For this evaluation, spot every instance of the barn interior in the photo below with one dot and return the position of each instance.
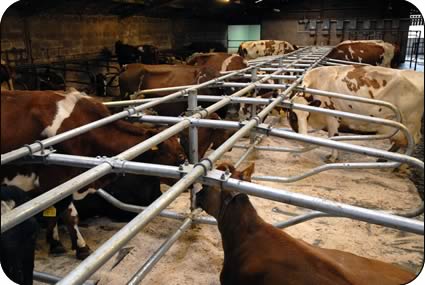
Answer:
(43, 32)
(62, 44)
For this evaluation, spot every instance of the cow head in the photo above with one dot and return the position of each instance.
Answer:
(242, 51)
(298, 119)
(213, 200)
(169, 152)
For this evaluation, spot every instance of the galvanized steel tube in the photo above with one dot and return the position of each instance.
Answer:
(326, 206)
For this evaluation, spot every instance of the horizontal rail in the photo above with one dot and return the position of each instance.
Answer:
(326, 206)
(212, 178)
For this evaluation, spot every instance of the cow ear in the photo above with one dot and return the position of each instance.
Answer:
(315, 103)
(247, 172)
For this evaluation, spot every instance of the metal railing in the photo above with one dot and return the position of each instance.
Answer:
(201, 171)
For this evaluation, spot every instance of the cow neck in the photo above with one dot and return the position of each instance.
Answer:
(121, 136)
(237, 219)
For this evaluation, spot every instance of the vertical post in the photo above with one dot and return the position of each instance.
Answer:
(193, 140)
(253, 107)
(193, 130)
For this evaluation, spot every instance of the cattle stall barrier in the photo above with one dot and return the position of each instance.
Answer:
(288, 105)
(106, 165)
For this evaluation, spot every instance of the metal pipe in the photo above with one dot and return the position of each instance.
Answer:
(322, 168)
(23, 151)
(193, 130)
(104, 252)
(48, 278)
(346, 62)
(302, 218)
(248, 151)
(348, 147)
(160, 252)
(193, 142)
(326, 206)
(164, 171)
(378, 121)
(164, 213)
(293, 77)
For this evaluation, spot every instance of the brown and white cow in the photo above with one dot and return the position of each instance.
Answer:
(257, 253)
(201, 68)
(373, 52)
(254, 49)
(218, 61)
(27, 116)
(402, 88)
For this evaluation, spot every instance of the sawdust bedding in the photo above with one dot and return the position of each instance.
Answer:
(196, 258)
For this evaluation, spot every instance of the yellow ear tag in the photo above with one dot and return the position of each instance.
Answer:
(282, 113)
(50, 212)
(154, 148)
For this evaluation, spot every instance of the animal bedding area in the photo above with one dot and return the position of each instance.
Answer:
(196, 258)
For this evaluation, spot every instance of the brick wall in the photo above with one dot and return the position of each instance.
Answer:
(53, 36)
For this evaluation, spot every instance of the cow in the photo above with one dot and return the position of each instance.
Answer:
(187, 50)
(201, 68)
(17, 245)
(373, 52)
(402, 88)
(219, 61)
(126, 54)
(7, 75)
(139, 190)
(257, 253)
(49, 113)
(141, 77)
(254, 49)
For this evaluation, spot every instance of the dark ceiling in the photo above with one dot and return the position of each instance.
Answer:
(163, 8)
(230, 10)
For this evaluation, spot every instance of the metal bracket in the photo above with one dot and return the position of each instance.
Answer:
(287, 105)
(43, 153)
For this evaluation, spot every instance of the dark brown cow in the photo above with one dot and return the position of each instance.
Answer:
(48, 113)
(7, 75)
(374, 52)
(206, 137)
(256, 253)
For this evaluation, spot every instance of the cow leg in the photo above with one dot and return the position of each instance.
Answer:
(333, 126)
(52, 236)
(77, 240)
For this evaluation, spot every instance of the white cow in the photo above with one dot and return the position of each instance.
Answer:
(254, 49)
(402, 88)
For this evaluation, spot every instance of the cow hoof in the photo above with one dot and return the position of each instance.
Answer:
(56, 247)
(83, 252)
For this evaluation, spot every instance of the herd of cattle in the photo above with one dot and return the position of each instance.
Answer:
(48, 113)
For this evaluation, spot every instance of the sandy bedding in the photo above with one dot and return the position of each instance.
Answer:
(197, 257)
